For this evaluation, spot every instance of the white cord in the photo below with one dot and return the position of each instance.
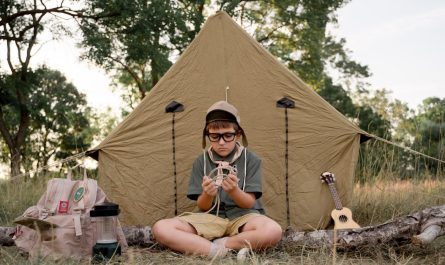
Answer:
(245, 168)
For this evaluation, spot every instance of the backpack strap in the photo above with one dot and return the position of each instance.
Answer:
(79, 197)
(91, 187)
(57, 196)
(85, 197)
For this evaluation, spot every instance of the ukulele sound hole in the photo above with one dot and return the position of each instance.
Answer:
(343, 218)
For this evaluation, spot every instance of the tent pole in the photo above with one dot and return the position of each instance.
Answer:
(286, 103)
(174, 107)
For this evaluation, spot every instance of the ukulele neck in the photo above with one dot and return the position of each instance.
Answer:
(337, 201)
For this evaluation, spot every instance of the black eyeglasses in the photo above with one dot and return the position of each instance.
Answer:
(215, 137)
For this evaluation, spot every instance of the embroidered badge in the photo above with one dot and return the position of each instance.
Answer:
(63, 207)
(79, 194)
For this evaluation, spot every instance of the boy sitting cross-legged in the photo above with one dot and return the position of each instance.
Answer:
(238, 221)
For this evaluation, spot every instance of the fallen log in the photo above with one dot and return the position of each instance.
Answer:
(6, 234)
(419, 228)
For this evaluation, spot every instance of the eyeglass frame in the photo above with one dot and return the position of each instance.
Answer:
(223, 136)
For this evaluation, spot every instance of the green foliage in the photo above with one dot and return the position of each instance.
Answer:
(423, 132)
(296, 33)
(103, 123)
(59, 125)
(381, 161)
(21, 25)
(366, 116)
(428, 128)
(136, 43)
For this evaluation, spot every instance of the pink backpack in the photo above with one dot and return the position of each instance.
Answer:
(60, 226)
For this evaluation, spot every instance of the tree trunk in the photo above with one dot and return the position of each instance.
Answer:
(13, 147)
(15, 164)
(420, 228)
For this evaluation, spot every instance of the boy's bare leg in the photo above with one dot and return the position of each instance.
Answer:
(180, 236)
(259, 232)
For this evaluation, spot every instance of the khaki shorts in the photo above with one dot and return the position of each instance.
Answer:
(211, 226)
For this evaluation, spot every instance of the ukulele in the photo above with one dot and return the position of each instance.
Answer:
(342, 216)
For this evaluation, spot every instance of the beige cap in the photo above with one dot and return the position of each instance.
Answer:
(223, 111)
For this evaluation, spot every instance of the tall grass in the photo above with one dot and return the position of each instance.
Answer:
(381, 161)
(379, 201)
(373, 203)
(383, 192)
(17, 196)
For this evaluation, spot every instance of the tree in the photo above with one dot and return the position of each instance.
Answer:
(428, 129)
(22, 21)
(62, 120)
(137, 45)
(59, 119)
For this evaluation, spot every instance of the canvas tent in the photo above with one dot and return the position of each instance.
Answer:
(145, 162)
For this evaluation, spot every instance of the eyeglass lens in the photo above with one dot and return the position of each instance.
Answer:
(215, 137)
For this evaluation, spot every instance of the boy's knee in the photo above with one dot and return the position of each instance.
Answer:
(274, 230)
(158, 228)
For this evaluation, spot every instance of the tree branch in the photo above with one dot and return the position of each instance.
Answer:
(55, 10)
(268, 35)
(134, 75)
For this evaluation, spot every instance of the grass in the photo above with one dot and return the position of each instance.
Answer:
(17, 196)
(379, 201)
(373, 203)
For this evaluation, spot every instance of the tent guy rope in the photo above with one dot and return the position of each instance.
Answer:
(37, 170)
(82, 154)
(407, 149)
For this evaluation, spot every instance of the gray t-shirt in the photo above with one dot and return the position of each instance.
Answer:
(228, 208)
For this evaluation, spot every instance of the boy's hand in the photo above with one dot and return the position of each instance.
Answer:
(230, 183)
(208, 186)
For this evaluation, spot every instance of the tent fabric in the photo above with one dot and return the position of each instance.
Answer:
(145, 168)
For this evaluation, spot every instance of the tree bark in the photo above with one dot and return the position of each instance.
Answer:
(420, 228)
(6, 234)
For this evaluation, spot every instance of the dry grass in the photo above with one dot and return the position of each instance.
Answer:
(380, 201)
(17, 196)
(372, 203)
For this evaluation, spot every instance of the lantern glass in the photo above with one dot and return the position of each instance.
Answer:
(105, 216)
(106, 229)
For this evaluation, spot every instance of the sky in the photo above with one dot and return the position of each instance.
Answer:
(402, 42)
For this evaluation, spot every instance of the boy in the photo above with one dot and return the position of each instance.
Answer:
(238, 221)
